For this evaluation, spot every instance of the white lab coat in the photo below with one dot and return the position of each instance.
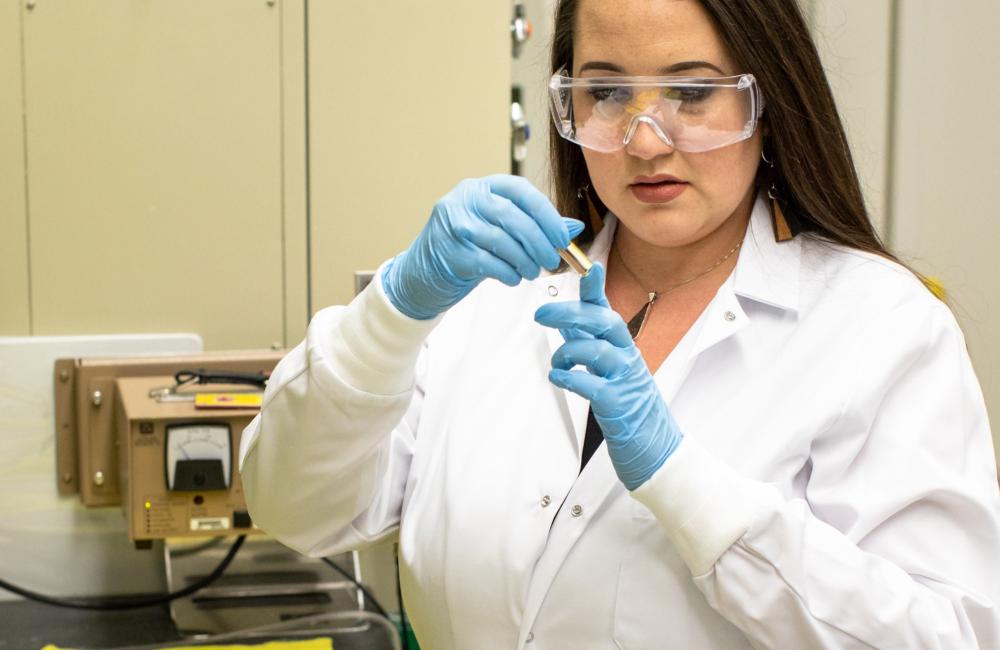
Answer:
(836, 486)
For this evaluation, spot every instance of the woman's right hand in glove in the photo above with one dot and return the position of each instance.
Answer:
(498, 227)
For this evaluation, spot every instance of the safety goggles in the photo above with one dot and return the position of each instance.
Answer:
(692, 114)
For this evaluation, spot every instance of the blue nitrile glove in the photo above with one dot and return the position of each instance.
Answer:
(496, 227)
(638, 428)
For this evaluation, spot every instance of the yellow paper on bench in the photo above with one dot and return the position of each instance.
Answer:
(308, 644)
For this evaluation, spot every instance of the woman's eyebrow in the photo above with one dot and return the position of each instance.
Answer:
(690, 65)
(600, 65)
(677, 67)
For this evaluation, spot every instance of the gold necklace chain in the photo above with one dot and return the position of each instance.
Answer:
(717, 264)
(637, 323)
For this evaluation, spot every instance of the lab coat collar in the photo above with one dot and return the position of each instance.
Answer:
(767, 271)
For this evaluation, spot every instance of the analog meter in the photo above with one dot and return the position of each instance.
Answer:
(198, 456)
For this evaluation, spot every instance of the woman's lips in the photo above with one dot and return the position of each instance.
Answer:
(657, 189)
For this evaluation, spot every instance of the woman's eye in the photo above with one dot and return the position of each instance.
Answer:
(615, 94)
(690, 95)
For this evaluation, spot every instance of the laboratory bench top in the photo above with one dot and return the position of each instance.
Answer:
(27, 625)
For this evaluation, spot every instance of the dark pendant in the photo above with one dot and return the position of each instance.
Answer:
(638, 322)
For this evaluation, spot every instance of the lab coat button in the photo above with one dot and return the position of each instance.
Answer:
(730, 316)
(530, 637)
(546, 500)
(576, 511)
(553, 291)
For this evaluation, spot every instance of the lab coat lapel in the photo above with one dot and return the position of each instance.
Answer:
(723, 318)
(562, 287)
(767, 271)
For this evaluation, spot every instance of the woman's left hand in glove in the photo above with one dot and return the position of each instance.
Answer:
(638, 428)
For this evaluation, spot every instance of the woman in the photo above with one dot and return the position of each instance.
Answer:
(763, 432)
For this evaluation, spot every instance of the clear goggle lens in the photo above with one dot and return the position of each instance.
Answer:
(692, 114)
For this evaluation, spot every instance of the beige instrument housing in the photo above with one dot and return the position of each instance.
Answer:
(152, 511)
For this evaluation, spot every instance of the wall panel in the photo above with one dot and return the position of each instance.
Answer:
(293, 109)
(854, 41)
(154, 137)
(14, 298)
(406, 99)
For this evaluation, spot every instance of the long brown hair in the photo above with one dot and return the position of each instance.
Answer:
(813, 170)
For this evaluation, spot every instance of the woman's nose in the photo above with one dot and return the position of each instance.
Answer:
(645, 139)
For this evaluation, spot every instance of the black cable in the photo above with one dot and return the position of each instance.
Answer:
(377, 605)
(188, 551)
(202, 376)
(134, 603)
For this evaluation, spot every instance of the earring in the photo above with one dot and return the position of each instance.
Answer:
(784, 228)
(596, 219)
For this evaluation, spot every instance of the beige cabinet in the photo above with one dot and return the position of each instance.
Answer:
(14, 293)
(171, 184)
(406, 99)
(154, 140)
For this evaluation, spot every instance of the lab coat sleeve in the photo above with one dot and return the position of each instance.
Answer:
(325, 462)
(896, 544)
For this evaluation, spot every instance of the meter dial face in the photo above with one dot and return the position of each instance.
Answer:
(198, 442)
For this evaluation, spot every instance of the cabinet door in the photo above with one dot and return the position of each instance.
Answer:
(406, 99)
(155, 168)
(13, 226)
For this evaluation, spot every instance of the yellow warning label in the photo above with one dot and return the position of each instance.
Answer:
(228, 400)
